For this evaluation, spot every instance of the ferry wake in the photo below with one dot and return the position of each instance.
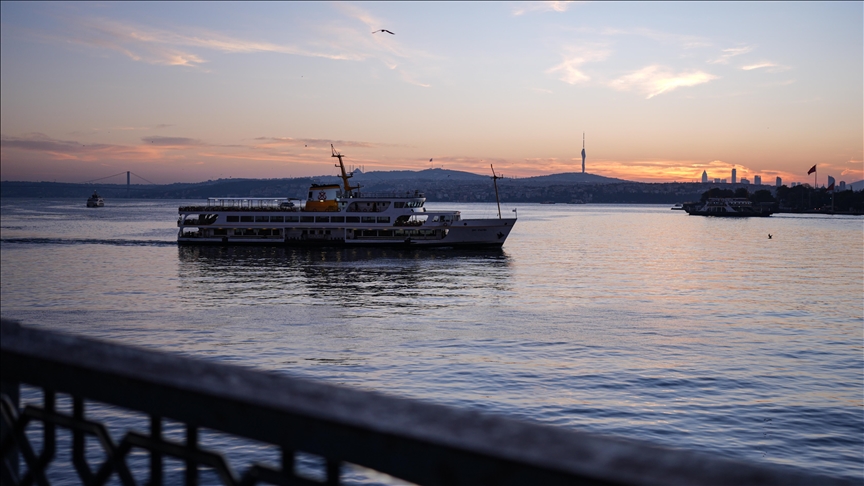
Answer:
(337, 215)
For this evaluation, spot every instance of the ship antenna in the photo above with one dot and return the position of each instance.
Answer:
(495, 178)
(345, 175)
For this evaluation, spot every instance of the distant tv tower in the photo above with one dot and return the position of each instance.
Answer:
(583, 152)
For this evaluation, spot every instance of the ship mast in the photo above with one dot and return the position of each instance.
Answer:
(345, 175)
(495, 178)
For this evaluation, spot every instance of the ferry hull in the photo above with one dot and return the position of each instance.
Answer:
(730, 215)
(490, 233)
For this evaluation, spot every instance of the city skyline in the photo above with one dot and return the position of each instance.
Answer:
(196, 91)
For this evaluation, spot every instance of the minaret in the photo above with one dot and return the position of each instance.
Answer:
(583, 152)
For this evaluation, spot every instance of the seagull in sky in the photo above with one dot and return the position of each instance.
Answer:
(383, 30)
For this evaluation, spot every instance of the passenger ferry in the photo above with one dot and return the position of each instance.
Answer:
(727, 207)
(95, 201)
(337, 215)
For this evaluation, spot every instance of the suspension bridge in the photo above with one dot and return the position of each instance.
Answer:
(128, 174)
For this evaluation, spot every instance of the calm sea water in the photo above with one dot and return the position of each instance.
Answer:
(698, 333)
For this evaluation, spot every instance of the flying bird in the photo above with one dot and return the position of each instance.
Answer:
(383, 30)
(769, 236)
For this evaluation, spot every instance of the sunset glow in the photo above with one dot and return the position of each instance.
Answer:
(197, 91)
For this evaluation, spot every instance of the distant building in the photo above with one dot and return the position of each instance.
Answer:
(734, 176)
(583, 152)
(757, 179)
(722, 181)
(842, 186)
(779, 182)
(745, 181)
(717, 180)
(704, 177)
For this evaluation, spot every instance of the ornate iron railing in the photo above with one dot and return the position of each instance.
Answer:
(417, 442)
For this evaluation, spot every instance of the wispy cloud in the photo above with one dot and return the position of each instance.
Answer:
(655, 80)
(525, 7)
(728, 54)
(570, 70)
(854, 170)
(683, 40)
(173, 141)
(189, 46)
(166, 47)
(760, 65)
(768, 66)
(388, 49)
(57, 149)
(315, 143)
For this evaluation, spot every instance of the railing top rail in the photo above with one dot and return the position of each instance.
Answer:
(388, 195)
(419, 442)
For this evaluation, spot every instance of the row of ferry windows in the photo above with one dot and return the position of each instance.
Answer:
(308, 219)
(358, 232)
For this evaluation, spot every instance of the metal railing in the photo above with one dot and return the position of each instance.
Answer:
(411, 440)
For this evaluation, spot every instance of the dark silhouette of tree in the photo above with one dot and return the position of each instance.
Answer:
(762, 196)
(717, 192)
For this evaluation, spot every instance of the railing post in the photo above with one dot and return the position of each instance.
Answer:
(192, 445)
(155, 457)
(334, 470)
(287, 462)
(79, 443)
(49, 431)
(12, 391)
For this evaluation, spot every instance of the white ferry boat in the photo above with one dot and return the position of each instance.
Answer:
(337, 215)
(727, 207)
(95, 201)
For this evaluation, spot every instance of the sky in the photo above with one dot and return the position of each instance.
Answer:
(187, 92)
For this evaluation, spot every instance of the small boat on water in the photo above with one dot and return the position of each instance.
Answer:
(95, 201)
(337, 215)
(727, 207)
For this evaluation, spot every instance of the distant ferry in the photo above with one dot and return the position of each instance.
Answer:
(95, 201)
(727, 207)
(337, 215)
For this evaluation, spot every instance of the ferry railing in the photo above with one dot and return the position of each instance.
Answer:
(389, 195)
(418, 442)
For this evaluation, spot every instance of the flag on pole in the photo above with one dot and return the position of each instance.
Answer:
(830, 183)
(812, 169)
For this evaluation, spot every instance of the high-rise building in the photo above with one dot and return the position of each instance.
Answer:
(734, 176)
(842, 186)
(704, 177)
(779, 182)
(757, 179)
(716, 180)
